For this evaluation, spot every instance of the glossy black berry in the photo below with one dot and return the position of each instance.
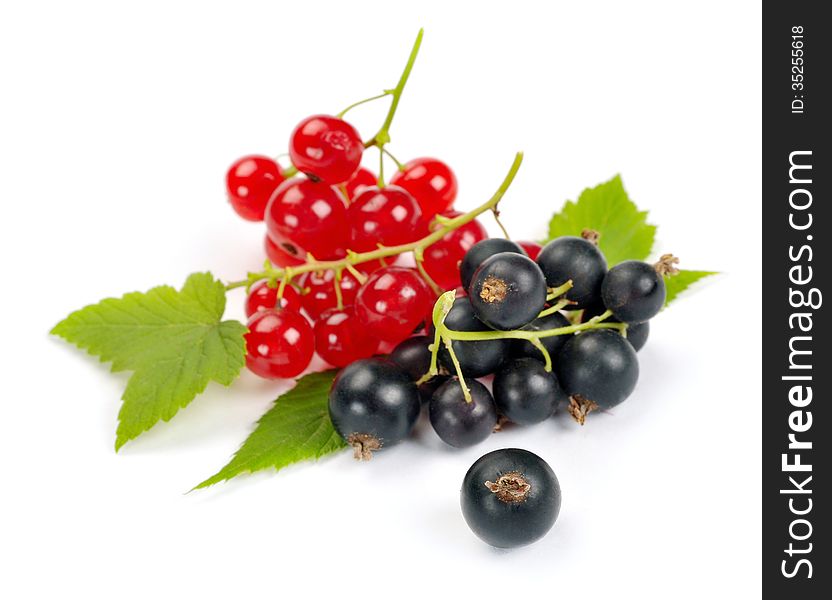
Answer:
(637, 333)
(373, 404)
(597, 369)
(413, 355)
(460, 423)
(508, 291)
(476, 358)
(510, 498)
(479, 252)
(574, 258)
(553, 343)
(633, 291)
(525, 392)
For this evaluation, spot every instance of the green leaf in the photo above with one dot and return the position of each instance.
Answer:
(678, 283)
(174, 342)
(606, 208)
(296, 428)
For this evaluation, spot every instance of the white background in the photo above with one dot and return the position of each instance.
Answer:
(117, 124)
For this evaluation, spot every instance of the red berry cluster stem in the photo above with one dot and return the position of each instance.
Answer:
(283, 276)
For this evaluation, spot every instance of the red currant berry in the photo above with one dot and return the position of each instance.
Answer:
(531, 248)
(310, 216)
(443, 257)
(279, 343)
(340, 339)
(326, 148)
(361, 179)
(320, 291)
(250, 182)
(392, 302)
(282, 255)
(431, 182)
(388, 216)
(262, 296)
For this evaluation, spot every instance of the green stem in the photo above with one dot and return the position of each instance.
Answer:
(466, 392)
(554, 308)
(559, 291)
(289, 171)
(547, 359)
(383, 136)
(399, 164)
(354, 258)
(445, 302)
(500, 223)
(385, 93)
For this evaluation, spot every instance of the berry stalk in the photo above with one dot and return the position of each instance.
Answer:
(446, 336)
(286, 274)
(383, 136)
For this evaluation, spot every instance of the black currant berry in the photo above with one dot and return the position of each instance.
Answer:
(525, 392)
(510, 498)
(580, 260)
(637, 333)
(479, 252)
(507, 291)
(460, 423)
(476, 358)
(633, 291)
(597, 369)
(553, 343)
(413, 355)
(373, 404)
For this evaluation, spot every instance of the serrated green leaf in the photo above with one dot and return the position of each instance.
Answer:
(681, 281)
(296, 428)
(606, 208)
(174, 342)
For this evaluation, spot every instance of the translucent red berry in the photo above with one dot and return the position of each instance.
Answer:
(250, 183)
(531, 248)
(443, 257)
(326, 148)
(283, 255)
(392, 302)
(362, 178)
(262, 296)
(320, 290)
(279, 344)
(340, 339)
(431, 182)
(308, 216)
(388, 216)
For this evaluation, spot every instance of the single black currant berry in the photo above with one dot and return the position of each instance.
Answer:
(510, 498)
(573, 258)
(507, 291)
(597, 369)
(479, 252)
(373, 404)
(637, 333)
(552, 343)
(458, 422)
(634, 291)
(525, 392)
(476, 358)
(413, 355)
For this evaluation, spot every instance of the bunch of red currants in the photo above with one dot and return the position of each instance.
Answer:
(323, 207)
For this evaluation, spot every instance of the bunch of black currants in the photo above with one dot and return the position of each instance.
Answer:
(559, 330)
